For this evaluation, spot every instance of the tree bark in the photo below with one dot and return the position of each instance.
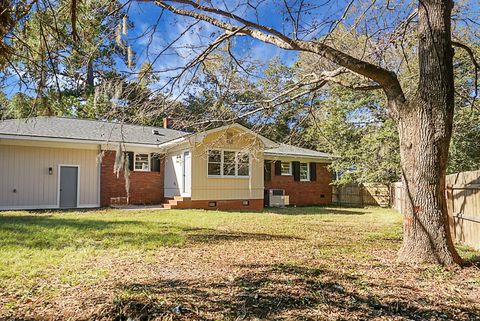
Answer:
(90, 76)
(425, 126)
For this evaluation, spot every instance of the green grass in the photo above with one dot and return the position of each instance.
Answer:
(33, 245)
(147, 262)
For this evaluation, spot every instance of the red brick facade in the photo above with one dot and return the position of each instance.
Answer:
(254, 205)
(145, 187)
(318, 192)
(186, 202)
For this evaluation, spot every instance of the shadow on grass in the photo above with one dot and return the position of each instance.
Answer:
(50, 232)
(317, 210)
(472, 261)
(278, 292)
(205, 235)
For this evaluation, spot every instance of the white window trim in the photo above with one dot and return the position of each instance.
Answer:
(236, 164)
(135, 163)
(308, 173)
(289, 169)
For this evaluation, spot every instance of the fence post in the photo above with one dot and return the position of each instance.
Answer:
(362, 201)
(450, 210)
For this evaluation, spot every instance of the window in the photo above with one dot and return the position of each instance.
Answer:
(214, 162)
(142, 162)
(286, 168)
(226, 163)
(243, 164)
(304, 172)
(229, 163)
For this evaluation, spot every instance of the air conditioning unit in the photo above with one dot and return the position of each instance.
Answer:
(277, 198)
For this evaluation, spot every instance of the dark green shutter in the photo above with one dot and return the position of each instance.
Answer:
(278, 168)
(154, 162)
(267, 170)
(313, 172)
(130, 160)
(296, 171)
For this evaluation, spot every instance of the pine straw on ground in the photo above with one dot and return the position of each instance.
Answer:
(294, 264)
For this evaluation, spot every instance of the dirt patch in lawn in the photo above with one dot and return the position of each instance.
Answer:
(291, 268)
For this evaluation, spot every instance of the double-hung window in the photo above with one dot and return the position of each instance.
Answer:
(215, 162)
(286, 168)
(304, 172)
(142, 162)
(225, 163)
(243, 160)
(229, 163)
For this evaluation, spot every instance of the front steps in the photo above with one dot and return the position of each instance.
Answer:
(178, 202)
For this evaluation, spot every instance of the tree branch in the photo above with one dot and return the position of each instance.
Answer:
(474, 61)
(385, 78)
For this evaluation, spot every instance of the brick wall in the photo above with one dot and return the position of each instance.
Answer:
(304, 193)
(145, 187)
(224, 205)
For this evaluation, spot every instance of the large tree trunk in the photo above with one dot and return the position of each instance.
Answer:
(425, 126)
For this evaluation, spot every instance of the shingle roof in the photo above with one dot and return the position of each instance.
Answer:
(103, 131)
(289, 150)
(89, 130)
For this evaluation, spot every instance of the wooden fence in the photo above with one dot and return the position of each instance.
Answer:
(463, 204)
(361, 195)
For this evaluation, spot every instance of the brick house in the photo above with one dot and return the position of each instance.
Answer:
(56, 162)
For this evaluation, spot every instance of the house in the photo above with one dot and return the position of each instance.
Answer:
(56, 162)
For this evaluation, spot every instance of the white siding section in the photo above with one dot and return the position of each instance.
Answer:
(25, 169)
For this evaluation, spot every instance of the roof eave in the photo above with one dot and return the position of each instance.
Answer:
(324, 158)
(73, 140)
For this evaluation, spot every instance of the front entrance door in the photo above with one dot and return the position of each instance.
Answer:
(187, 174)
(68, 186)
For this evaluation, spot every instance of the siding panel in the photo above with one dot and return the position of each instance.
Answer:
(208, 188)
(25, 168)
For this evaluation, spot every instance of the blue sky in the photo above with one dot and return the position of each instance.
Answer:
(146, 15)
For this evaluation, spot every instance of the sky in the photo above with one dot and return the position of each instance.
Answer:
(149, 43)
(152, 31)
(145, 15)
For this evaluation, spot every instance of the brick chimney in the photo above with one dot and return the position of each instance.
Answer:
(167, 122)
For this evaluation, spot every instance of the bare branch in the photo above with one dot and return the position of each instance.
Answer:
(474, 61)
(385, 78)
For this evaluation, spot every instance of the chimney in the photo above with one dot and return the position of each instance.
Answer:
(167, 122)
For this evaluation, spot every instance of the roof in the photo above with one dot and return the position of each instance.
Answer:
(87, 130)
(96, 131)
(293, 151)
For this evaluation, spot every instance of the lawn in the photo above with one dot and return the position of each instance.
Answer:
(316, 263)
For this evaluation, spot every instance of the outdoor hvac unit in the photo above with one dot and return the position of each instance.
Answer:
(277, 198)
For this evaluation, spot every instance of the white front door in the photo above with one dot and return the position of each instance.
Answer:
(187, 174)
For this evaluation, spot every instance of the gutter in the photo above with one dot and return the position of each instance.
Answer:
(330, 158)
(75, 140)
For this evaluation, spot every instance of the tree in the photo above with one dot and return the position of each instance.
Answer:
(423, 118)
(64, 49)
(365, 141)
